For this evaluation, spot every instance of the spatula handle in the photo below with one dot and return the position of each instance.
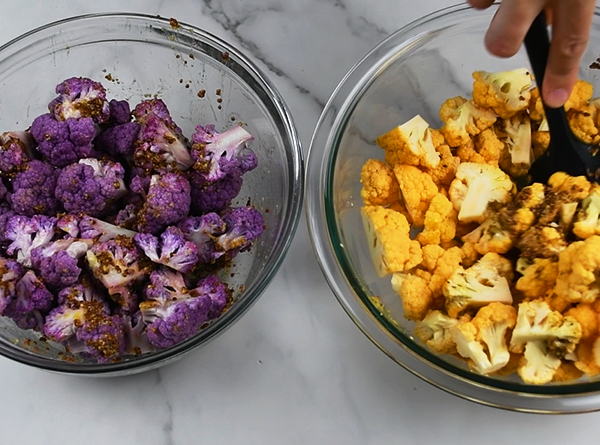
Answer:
(537, 45)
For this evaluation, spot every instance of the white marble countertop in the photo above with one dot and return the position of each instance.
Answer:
(294, 370)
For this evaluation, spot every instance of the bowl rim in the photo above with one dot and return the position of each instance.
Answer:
(348, 290)
(291, 219)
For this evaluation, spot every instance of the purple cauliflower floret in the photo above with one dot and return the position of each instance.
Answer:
(172, 250)
(31, 295)
(3, 190)
(167, 203)
(118, 140)
(79, 97)
(140, 184)
(83, 290)
(173, 313)
(58, 262)
(202, 231)
(64, 142)
(120, 112)
(69, 224)
(26, 320)
(218, 154)
(101, 336)
(62, 321)
(33, 190)
(161, 145)
(127, 216)
(213, 196)
(86, 326)
(6, 212)
(101, 231)
(15, 151)
(118, 264)
(90, 186)
(10, 272)
(152, 107)
(136, 336)
(27, 234)
(243, 226)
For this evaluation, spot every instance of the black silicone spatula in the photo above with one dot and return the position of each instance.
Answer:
(566, 153)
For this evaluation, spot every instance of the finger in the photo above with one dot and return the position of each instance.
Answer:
(510, 24)
(481, 4)
(570, 34)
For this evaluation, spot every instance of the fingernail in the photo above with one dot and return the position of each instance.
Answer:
(557, 98)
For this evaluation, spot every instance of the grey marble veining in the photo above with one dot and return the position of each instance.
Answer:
(294, 370)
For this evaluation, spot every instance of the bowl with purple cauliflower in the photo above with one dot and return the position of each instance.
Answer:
(150, 186)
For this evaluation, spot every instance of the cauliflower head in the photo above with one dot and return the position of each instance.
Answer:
(484, 282)
(483, 339)
(578, 271)
(417, 189)
(538, 276)
(475, 187)
(544, 337)
(463, 120)
(435, 330)
(505, 92)
(417, 298)
(390, 245)
(587, 220)
(379, 184)
(516, 134)
(410, 143)
(440, 222)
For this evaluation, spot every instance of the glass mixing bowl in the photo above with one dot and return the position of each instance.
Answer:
(202, 79)
(411, 72)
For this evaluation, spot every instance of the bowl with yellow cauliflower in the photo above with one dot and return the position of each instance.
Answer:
(433, 237)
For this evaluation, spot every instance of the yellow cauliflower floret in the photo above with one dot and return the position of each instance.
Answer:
(506, 92)
(441, 264)
(437, 138)
(431, 255)
(484, 282)
(540, 139)
(410, 143)
(536, 107)
(435, 330)
(379, 184)
(587, 317)
(463, 120)
(580, 95)
(467, 153)
(390, 245)
(566, 372)
(445, 172)
(588, 217)
(539, 277)
(516, 134)
(470, 254)
(557, 303)
(445, 267)
(418, 189)
(575, 187)
(440, 222)
(583, 124)
(475, 187)
(417, 298)
(483, 339)
(489, 146)
(578, 270)
(588, 357)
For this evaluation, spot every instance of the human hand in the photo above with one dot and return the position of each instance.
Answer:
(571, 21)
